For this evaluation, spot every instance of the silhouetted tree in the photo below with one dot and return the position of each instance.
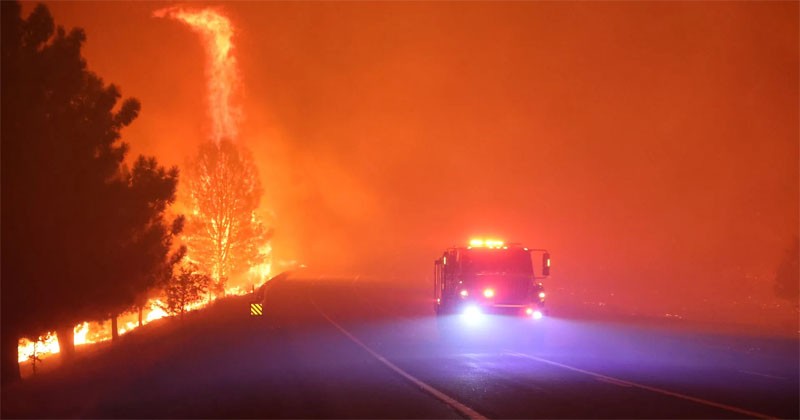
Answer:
(162, 276)
(186, 287)
(223, 233)
(82, 232)
(34, 357)
(787, 279)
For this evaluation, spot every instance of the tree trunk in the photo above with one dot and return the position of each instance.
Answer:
(10, 365)
(66, 343)
(114, 329)
(34, 358)
(141, 309)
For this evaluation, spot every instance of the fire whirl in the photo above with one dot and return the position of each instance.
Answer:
(216, 32)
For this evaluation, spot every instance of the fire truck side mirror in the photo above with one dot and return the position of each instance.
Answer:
(546, 264)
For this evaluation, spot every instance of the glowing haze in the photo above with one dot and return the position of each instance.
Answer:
(651, 146)
(216, 31)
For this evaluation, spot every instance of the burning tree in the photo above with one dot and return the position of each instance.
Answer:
(224, 235)
(184, 288)
(88, 232)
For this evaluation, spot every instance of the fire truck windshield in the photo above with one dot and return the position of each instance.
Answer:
(497, 261)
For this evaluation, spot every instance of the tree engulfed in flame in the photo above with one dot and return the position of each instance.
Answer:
(216, 31)
(223, 234)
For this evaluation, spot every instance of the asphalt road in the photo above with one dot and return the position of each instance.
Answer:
(353, 348)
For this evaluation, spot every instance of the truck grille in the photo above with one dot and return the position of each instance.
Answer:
(513, 290)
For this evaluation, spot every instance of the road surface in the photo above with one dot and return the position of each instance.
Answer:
(353, 348)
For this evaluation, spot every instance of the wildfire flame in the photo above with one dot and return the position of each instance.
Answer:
(81, 330)
(216, 31)
(89, 332)
(94, 332)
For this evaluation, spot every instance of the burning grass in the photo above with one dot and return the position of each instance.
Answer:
(97, 332)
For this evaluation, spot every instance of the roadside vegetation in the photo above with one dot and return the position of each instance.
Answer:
(89, 223)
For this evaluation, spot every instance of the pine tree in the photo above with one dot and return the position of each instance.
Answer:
(184, 288)
(88, 232)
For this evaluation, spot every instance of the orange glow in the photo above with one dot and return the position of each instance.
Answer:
(260, 272)
(44, 347)
(81, 331)
(95, 332)
(216, 31)
(368, 123)
(488, 293)
(155, 311)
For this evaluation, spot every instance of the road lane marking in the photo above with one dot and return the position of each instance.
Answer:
(452, 402)
(616, 381)
(613, 382)
(763, 375)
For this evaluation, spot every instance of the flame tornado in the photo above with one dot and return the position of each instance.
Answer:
(216, 32)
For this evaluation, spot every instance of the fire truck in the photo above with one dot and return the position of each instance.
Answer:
(489, 277)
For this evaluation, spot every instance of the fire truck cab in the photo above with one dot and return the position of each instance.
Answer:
(489, 276)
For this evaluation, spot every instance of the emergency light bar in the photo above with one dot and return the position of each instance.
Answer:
(487, 243)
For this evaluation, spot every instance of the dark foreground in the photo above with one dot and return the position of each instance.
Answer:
(352, 348)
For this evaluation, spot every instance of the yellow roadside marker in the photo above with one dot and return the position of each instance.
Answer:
(256, 309)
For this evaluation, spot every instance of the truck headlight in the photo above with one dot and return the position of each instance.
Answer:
(534, 313)
(472, 314)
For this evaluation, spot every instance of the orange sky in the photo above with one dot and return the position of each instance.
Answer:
(653, 147)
